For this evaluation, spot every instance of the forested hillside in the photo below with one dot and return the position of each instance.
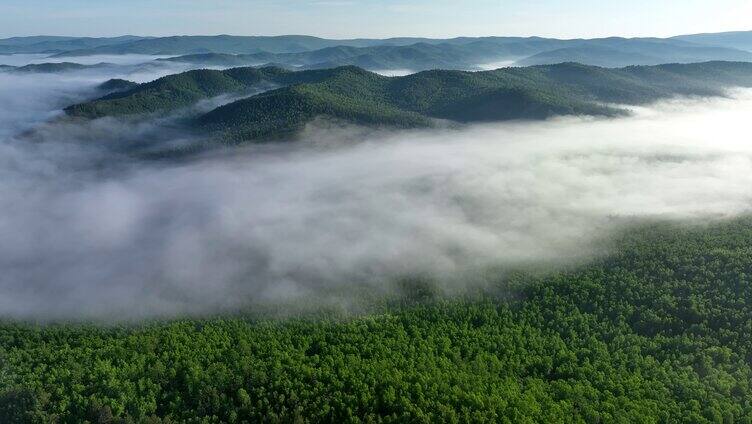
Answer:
(180, 90)
(659, 330)
(52, 68)
(116, 85)
(361, 97)
(353, 95)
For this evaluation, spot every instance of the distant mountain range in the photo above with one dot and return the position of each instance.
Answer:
(177, 45)
(741, 40)
(356, 96)
(618, 52)
(53, 67)
(415, 54)
(416, 57)
(53, 45)
(607, 52)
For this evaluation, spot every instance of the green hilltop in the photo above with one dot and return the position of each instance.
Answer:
(116, 84)
(184, 89)
(360, 97)
(356, 96)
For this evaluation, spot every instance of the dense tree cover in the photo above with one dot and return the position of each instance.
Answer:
(116, 85)
(657, 330)
(166, 93)
(347, 93)
(184, 89)
(357, 96)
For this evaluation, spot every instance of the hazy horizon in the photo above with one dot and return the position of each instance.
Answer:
(5, 37)
(342, 19)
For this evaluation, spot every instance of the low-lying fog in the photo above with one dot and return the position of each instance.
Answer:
(121, 59)
(133, 67)
(324, 218)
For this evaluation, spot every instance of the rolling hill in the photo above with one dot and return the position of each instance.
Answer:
(187, 45)
(357, 96)
(736, 39)
(181, 45)
(360, 97)
(619, 52)
(417, 54)
(116, 85)
(52, 44)
(180, 90)
(472, 55)
(54, 68)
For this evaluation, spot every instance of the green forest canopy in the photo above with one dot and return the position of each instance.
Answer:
(659, 330)
(360, 97)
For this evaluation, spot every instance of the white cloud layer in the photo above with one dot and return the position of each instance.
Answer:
(333, 216)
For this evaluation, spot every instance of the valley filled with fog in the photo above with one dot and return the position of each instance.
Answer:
(91, 232)
(375, 212)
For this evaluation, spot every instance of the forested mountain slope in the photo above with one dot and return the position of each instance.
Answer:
(659, 330)
(179, 90)
(361, 97)
(364, 98)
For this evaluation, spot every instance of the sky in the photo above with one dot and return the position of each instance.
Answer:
(371, 18)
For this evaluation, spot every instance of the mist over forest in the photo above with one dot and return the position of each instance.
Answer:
(341, 210)
(297, 229)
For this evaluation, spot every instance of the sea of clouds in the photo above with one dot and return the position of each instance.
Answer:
(86, 232)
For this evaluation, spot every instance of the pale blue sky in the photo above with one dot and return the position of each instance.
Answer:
(371, 18)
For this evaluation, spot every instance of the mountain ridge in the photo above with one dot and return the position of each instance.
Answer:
(537, 92)
(277, 103)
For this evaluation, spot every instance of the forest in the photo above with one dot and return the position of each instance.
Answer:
(656, 329)
(352, 95)
(237, 229)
